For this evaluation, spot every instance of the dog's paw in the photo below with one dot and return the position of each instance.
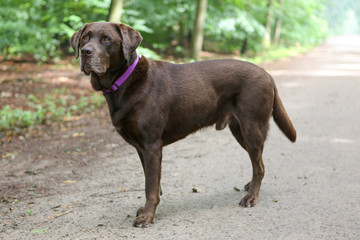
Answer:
(142, 218)
(249, 200)
(140, 211)
(143, 221)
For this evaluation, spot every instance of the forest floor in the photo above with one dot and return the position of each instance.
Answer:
(77, 179)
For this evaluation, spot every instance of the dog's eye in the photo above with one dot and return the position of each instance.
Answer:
(106, 40)
(86, 38)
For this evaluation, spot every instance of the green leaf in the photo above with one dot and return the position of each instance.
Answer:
(38, 231)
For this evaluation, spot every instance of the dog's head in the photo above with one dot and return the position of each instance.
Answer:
(103, 46)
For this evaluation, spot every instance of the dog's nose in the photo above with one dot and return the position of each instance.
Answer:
(87, 51)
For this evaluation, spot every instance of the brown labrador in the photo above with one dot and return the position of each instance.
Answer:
(157, 103)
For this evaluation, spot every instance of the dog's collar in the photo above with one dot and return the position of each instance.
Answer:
(123, 77)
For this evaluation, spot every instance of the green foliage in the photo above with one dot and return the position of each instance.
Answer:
(39, 231)
(148, 53)
(15, 117)
(29, 212)
(42, 28)
(48, 109)
(304, 22)
(163, 24)
(276, 53)
(167, 25)
(229, 26)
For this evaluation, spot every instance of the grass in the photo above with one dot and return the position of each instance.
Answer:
(29, 212)
(276, 53)
(268, 55)
(49, 108)
(37, 230)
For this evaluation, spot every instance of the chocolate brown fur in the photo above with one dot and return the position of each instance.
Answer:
(162, 102)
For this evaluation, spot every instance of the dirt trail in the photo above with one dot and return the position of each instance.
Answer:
(85, 182)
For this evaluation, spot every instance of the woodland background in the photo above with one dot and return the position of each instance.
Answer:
(40, 29)
(39, 75)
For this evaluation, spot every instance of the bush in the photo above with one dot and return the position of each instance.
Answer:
(49, 109)
(40, 28)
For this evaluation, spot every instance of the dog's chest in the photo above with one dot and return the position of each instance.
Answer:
(118, 129)
(129, 135)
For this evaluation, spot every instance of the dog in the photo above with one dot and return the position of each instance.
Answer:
(155, 103)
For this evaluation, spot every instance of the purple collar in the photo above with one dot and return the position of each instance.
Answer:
(123, 77)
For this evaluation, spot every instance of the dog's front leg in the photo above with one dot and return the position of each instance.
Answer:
(151, 159)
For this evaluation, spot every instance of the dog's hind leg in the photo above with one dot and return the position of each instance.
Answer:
(251, 134)
(236, 132)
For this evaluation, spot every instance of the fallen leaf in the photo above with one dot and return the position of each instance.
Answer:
(9, 155)
(237, 189)
(78, 134)
(69, 181)
(6, 94)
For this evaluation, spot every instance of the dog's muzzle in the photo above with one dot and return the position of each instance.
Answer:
(91, 62)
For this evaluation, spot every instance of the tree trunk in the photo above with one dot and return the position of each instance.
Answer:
(182, 33)
(198, 32)
(278, 24)
(244, 46)
(116, 8)
(267, 37)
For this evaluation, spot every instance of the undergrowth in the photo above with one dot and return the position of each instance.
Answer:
(276, 53)
(47, 109)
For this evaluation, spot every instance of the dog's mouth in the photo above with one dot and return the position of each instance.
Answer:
(87, 69)
(93, 65)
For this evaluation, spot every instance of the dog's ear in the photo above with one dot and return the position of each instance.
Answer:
(75, 40)
(131, 39)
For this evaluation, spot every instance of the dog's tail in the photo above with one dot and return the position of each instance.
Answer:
(281, 118)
